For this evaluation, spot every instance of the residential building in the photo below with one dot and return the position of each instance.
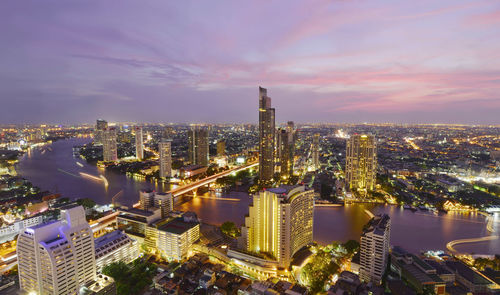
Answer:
(266, 138)
(315, 152)
(109, 147)
(151, 201)
(375, 243)
(221, 148)
(176, 235)
(101, 126)
(361, 162)
(165, 161)
(198, 146)
(139, 143)
(279, 223)
(57, 257)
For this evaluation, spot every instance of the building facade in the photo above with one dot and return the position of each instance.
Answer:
(374, 250)
(58, 257)
(221, 148)
(165, 161)
(279, 223)
(114, 247)
(361, 162)
(198, 146)
(315, 152)
(139, 143)
(266, 138)
(109, 147)
(100, 127)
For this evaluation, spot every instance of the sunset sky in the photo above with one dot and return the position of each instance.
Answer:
(202, 61)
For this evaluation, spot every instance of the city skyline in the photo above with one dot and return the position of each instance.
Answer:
(350, 62)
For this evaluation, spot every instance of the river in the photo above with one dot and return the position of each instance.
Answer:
(57, 171)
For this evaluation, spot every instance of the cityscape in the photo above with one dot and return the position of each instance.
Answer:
(257, 194)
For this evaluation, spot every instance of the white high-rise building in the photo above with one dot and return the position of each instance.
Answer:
(109, 148)
(165, 150)
(279, 223)
(151, 200)
(58, 257)
(139, 143)
(375, 243)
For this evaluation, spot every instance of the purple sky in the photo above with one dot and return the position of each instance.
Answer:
(423, 61)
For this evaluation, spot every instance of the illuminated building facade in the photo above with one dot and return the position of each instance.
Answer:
(198, 146)
(221, 148)
(266, 138)
(279, 223)
(315, 152)
(361, 162)
(109, 148)
(177, 235)
(374, 248)
(58, 257)
(100, 127)
(139, 143)
(114, 247)
(165, 161)
(150, 201)
(286, 152)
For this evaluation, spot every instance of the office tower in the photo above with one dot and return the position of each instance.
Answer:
(165, 161)
(114, 247)
(280, 222)
(198, 146)
(361, 162)
(101, 126)
(109, 149)
(315, 152)
(266, 138)
(139, 143)
(375, 243)
(221, 148)
(57, 257)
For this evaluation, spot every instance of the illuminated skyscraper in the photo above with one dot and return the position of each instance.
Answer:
(266, 138)
(165, 151)
(221, 148)
(374, 248)
(315, 151)
(58, 257)
(198, 146)
(139, 143)
(286, 152)
(361, 162)
(280, 222)
(100, 126)
(109, 148)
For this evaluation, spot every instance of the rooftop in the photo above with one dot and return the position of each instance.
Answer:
(110, 237)
(177, 226)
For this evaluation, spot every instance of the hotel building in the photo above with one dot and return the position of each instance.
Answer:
(266, 138)
(109, 148)
(165, 151)
(139, 143)
(113, 247)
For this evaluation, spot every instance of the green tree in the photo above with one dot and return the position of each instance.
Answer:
(230, 229)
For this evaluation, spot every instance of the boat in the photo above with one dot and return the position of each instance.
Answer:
(409, 207)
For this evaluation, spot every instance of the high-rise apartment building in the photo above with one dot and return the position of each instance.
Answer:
(109, 147)
(221, 148)
(375, 243)
(286, 152)
(165, 161)
(266, 138)
(315, 152)
(361, 162)
(198, 146)
(279, 223)
(139, 143)
(100, 126)
(58, 257)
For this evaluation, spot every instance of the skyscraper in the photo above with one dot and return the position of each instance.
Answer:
(266, 138)
(58, 257)
(198, 146)
(286, 153)
(165, 151)
(361, 162)
(280, 222)
(100, 126)
(375, 243)
(109, 149)
(315, 151)
(139, 143)
(221, 148)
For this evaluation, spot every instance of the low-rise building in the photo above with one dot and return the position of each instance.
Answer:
(114, 247)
